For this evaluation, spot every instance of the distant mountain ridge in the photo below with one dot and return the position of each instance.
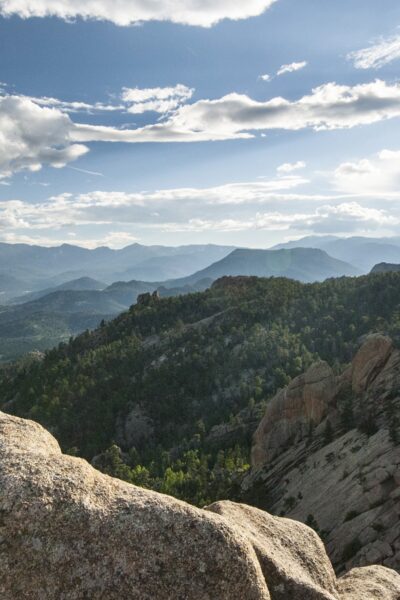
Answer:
(303, 264)
(362, 252)
(81, 284)
(35, 268)
(41, 319)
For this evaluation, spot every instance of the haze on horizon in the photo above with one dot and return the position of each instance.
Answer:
(246, 124)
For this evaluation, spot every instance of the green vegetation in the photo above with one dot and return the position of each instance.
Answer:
(200, 368)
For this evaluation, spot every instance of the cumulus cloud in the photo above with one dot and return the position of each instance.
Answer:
(291, 68)
(346, 217)
(376, 56)
(265, 77)
(126, 12)
(158, 99)
(32, 134)
(378, 175)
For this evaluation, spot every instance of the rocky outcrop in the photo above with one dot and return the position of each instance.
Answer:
(291, 413)
(134, 429)
(385, 268)
(342, 476)
(369, 362)
(70, 532)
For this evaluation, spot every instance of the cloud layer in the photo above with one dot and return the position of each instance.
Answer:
(236, 116)
(36, 132)
(286, 202)
(127, 12)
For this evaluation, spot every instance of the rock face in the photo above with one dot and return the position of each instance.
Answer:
(343, 475)
(69, 532)
(289, 416)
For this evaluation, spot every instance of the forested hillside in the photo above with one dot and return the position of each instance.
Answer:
(168, 394)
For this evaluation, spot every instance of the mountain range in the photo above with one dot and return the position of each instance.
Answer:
(57, 307)
(40, 319)
(26, 268)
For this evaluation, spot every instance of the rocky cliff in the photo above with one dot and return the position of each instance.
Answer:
(327, 453)
(69, 532)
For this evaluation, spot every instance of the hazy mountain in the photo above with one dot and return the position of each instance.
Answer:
(303, 264)
(81, 284)
(362, 252)
(9, 286)
(385, 268)
(39, 268)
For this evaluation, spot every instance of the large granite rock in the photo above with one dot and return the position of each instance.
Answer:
(292, 556)
(346, 484)
(67, 532)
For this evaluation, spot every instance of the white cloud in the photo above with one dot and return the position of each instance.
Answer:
(160, 100)
(126, 12)
(32, 135)
(376, 56)
(75, 107)
(346, 217)
(340, 218)
(236, 116)
(132, 100)
(291, 68)
(378, 175)
(274, 205)
(290, 167)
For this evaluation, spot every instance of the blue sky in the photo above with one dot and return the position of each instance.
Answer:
(249, 131)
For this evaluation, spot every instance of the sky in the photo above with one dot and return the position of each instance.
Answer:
(190, 121)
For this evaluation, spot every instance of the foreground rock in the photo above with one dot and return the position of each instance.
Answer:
(67, 532)
(292, 557)
(370, 583)
(327, 453)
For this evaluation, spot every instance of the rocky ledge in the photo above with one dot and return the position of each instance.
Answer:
(70, 532)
